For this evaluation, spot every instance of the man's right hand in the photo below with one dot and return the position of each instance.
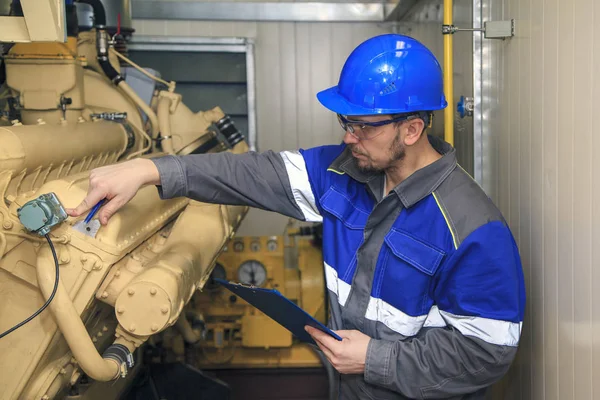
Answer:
(117, 184)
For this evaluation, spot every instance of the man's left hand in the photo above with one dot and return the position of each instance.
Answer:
(347, 356)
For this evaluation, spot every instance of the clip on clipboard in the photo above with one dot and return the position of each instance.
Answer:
(280, 309)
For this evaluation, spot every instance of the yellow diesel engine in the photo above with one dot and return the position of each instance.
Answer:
(108, 289)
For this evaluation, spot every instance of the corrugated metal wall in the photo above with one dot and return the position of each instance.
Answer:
(546, 126)
(540, 114)
(293, 62)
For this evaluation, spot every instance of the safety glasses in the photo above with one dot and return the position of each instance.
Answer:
(363, 130)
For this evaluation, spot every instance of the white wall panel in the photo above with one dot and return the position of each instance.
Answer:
(293, 62)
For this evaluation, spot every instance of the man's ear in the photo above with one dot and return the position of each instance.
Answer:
(413, 131)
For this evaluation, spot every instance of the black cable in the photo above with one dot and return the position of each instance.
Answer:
(49, 298)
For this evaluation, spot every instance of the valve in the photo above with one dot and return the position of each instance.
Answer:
(465, 106)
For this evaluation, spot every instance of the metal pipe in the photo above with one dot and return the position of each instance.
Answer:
(70, 324)
(143, 106)
(448, 77)
(164, 121)
(184, 327)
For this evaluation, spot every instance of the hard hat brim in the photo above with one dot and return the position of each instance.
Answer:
(334, 101)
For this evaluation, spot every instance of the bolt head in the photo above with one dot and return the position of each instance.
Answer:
(132, 328)
(153, 291)
(154, 327)
(164, 309)
(131, 291)
(120, 310)
(104, 295)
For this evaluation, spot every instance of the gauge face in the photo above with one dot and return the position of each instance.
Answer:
(238, 246)
(252, 272)
(272, 245)
(217, 272)
(255, 246)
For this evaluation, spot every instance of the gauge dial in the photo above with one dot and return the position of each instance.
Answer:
(238, 246)
(255, 246)
(252, 272)
(217, 272)
(272, 245)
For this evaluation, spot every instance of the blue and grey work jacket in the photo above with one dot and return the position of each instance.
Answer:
(429, 271)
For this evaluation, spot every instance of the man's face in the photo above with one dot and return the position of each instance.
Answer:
(381, 152)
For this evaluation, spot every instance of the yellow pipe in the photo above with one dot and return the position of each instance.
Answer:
(142, 105)
(448, 77)
(164, 122)
(69, 322)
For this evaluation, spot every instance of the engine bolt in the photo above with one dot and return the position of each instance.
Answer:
(131, 291)
(152, 291)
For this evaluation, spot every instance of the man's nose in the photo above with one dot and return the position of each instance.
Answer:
(350, 138)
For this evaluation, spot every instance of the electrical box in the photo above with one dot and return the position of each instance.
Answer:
(499, 29)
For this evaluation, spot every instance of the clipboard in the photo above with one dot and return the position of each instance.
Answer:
(280, 309)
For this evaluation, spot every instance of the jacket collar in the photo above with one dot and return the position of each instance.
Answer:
(414, 188)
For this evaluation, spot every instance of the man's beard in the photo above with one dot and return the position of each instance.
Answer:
(397, 152)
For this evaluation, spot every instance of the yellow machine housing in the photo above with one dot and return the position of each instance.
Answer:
(144, 280)
(134, 278)
(227, 332)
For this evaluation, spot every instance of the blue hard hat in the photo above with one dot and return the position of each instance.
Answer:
(387, 74)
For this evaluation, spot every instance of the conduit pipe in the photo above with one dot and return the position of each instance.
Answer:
(164, 120)
(71, 326)
(102, 48)
(448, 76)
(143, 106)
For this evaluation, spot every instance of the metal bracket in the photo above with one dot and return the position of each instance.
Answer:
(491, 29)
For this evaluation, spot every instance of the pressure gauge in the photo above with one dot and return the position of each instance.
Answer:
(217, 272)
(238, 246)
(255, 246)
(272, 245)
(252, 272)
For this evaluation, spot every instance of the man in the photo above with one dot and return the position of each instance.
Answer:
(424, 276)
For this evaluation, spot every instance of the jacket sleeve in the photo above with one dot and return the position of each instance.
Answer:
(271, 181)
(471, 334)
